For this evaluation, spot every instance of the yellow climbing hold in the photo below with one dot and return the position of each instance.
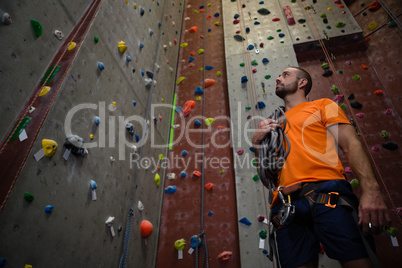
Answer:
(330, 8)
(122, 46)
(209, 34)
(180, 80)
(179, 244)
(91, 136)
(195, 11)
(372, 26)
(161, 157)
(135, 5)
(49, 147)
(209, 121)
(126, 1)
(157, 179)
(198, 98)
(217, 23)
(200, 51)
(201, 69)
(218, 73)
(209, 4)
(71, 45)
(114, 104)
(184, 45)
(163, 100)
(44, 91)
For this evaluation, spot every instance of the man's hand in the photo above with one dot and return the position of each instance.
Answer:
(264, 127)
(372, 211)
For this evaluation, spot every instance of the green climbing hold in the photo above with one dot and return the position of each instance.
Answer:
(28, 197)
(263, 234)
(51, 75)
(392, 24)
(325, 65)
(343, 106)
(195, 11)
(362, 4)
(222, 171)
(238, 37)
(279, 30)
(340, 24)
(356, 77)
(218, 73)
(293, 1)
(270, 37)
(340, 71)
(328, 27)
(20, 128)
(263, 11)
(248, 107)
(307, 8)
(267, 76)
(242, 64)
(354, 183)
(37, 28)
(384, 134)
(364, 13)
(209, 121)
(282, 42)
(323, 16)
(232, 0)
(256, 177)
(254, 162)
(96, 39)
(254, 62)
(334, 89)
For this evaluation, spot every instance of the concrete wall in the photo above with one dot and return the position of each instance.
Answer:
(75, 234)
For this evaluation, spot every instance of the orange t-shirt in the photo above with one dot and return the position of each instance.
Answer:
(313, 150)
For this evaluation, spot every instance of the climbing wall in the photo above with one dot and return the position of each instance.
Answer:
(99, 77)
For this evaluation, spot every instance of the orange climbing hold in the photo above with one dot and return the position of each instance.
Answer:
(374, 6)
(364, 66)
(193, 29)
(341, 6)
(197, 173)
(209, 16)
(379, 92)
(209, 82)
(188, 106)
(367, 38)
(226, 255)
(191, 65)
(201, 36)
(146, 228)
(202, 10)
(209, 186)
(192, 54)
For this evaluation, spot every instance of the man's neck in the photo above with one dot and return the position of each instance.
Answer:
(293, 100)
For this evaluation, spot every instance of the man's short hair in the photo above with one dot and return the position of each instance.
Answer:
(301, 73)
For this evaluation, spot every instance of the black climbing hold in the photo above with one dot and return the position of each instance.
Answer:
(150, 74)
(301, 21)
(133, 70)
(327, 73)
(238, 37)
(142, 11)
(76, 145)
(356, 105)
(322, 58)
(325, 21)
(390, 145)
(351, 96)
(342, 31)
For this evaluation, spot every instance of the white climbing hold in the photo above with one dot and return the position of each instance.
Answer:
(59, 34)
(140, 206)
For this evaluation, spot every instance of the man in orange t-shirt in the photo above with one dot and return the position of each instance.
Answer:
(315, 129)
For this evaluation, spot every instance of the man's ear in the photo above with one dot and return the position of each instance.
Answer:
(302, 82)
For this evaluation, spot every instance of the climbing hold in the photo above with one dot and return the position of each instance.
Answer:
(330, 8)
(49, 147)
(157, 179)
(6, 20)
(75, 144)
(267, 76)
(388, 111)
(209, 82)
(151, 32)
(247, 29)
(270, 37)
(188, 106)
(241, 64)
(390, 145)
(338, 98)
(245, 221)
(260, 105)
(263, 11)
(256, 23)
(364, 66)
(183, 174)
(244, 80)
(348, 170)
(240, 152)
(372, 26)
(250, 47)
(191, 59)
(375, 148)
(49, 77)
(210, 213)
(378, 92)
(142, 11)
(209, 186)
(256, 177)
(334, 89)
(265, 60)
(236, 16)
(28, 197)
(301, 21)
(20, 128)
(197, 174)
(289, 16)
(236, 21)
(200, 51)
(198, 90)
(179, 244)
(97, 120)
(197, 123)
(130, 128)
(209, 121)
(170, 189)
(218, 73)
(37, 28)
(384, 134)
(141, 45)
(217, 23)
(356, 105)
(356, 77)
(128, 58)
(360, 115)
(374, 6)
(195, 241)
(263, 234)
(327, 73)
(91, 137)
(343, 106)
(216, 15)
(340, 24)
(184, 153)
(184, 45)
(49, 208)
(71, 45)
(225, 255)
(209, 67)
(276, 19)
(340, 71)
(146, 228)
(254, 62)
(254, 71)
(260, 218)
(122, 46)
(193, 29)
(351, 96)
(181, 78)
(325, 65)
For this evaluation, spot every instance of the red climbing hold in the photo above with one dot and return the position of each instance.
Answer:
(360, 115)
(146, 228)
(191, 65)
(201, 36)
(237, 32)
(236, 21)
(209, 82)
(322, 251)
(209, 186)
(193, 29)
(379, 92)
(341, 6)
(175, 41)
(249, 117)
(240, 152)
(209, 16)
(254, 71)
(374, 6)
(226, 255)
(388, 112)
(261, 45)
(364, 66)
(276, 19)
(243, 6)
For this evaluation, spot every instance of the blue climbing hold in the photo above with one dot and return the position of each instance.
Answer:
(265, 60)
(49, 209)
(209, 29)
(251, 149)
(97, 120)
(159, 24)
(170, 189)
(202, 6)
(261, 2)
(265, 251)
(244, 79)
(281, 35)
(157, 3)
(151, 32)
(236, 16)
(256, 23)
(149, 9)
(137, 138)
(216, 15)
(209, 67)
(93, 184)
(134, 102)
(195, 241)
(179, 10)
(142, 11)
(250, 47)
(197, 123)
(183, 174)
(178, 109)
(260, 105)
(101, 66)
(176, 32)
(142, 73)
(198, 90)
(184, 153)
(210, 213)
(245, 221)
(247, 30)
(191, 59)
(128, 58)
(141, 45)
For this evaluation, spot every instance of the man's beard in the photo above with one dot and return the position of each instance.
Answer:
(289, 89)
